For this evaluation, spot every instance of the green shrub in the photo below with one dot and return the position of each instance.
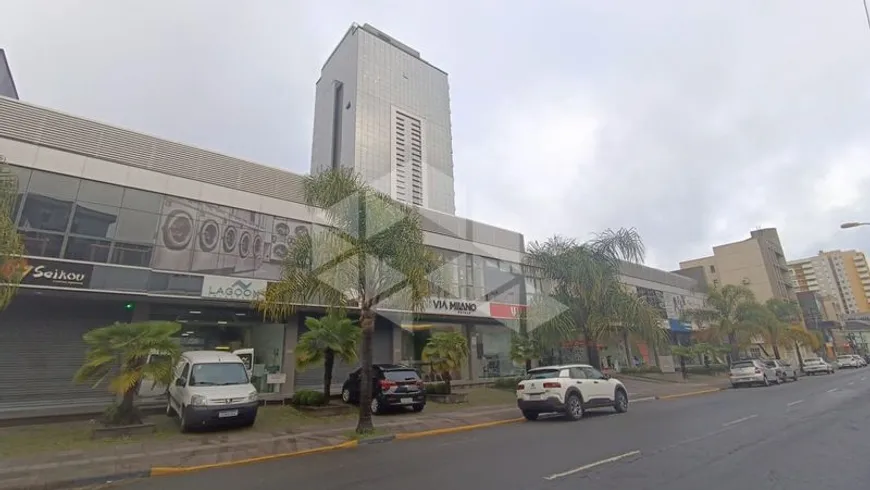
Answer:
(507, 383)
(437, 389)
(308, 398)
(712, 369)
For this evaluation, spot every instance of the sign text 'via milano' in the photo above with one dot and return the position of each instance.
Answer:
(458, 307)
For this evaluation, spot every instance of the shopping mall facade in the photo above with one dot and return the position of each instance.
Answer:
(120, 226)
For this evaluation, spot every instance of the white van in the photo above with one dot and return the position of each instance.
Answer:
(212, 387)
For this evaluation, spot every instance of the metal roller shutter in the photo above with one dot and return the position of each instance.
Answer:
(42, 349)
(312, 378)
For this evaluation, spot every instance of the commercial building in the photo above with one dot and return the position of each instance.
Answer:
(383, 111)
(840, 274)
(757, 263)
(122, 226)
(7, 83)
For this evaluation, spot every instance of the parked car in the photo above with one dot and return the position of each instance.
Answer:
(393, 386)
(569, 390)
(784, 370)
(817, 366)
(860, 360)
(212, 387)
(847, 361)
(754, 371)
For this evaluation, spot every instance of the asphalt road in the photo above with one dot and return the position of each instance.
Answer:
(811, 434)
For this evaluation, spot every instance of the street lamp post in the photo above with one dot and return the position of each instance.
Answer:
(853, 224)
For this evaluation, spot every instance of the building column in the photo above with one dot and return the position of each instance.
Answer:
(288, 361)
(473, 360)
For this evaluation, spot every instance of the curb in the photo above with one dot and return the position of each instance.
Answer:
(691, 393)
(452, 430)
(79, 482)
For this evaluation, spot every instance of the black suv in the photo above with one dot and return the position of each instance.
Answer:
(392, 386)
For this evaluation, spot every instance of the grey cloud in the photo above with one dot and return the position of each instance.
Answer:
(694, 121)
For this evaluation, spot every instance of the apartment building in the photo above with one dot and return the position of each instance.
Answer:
(840, 274)
(757, 263)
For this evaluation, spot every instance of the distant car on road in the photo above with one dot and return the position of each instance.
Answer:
(569, 389)
(815, 366)
(754, 371)
(784, 370)
(847, 361)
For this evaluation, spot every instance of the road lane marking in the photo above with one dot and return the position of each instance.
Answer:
(794, 403)
(832, 390)
(734, 422)
(644, 399)
(591, 465)
(850, 383)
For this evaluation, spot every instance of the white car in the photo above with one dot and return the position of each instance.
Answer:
(212, 387)
(816, 366)
(570, 390)
(753, 372)
(847, 361)
(860, 360)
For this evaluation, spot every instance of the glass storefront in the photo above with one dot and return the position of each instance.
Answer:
(229, 329)
(492, 347)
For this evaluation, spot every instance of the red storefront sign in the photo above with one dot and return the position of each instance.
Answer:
(505, 311)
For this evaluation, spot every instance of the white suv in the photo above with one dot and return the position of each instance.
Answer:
(569, 389)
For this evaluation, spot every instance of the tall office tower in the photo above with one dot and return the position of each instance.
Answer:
(385, 112)
(7, 84)
(841, 274)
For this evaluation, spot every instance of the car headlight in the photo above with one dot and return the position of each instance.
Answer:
(253, 396)
(198, 400)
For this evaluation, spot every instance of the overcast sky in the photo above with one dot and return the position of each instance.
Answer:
(694, 121)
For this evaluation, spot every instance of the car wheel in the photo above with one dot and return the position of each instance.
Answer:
(418, 407)
(766, 381)
(620, 402)
(574, 407)
(345, 395)
(530, 415)
(376, 406)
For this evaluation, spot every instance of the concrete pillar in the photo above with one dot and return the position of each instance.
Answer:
(397, 344)
(473, 361)
(288, 362)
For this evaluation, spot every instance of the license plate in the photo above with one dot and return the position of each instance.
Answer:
(228, 413)
(535, 397)
(406, 401)
(746, 379)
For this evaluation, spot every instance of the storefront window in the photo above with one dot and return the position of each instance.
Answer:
(492, 348)
(414, 339)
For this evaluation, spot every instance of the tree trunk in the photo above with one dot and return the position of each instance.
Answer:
(528, 364)
(364, 424)
(683, 367)
(735, 349)
(655, 350)
(626, 346)
(591, 349)
(797, 348)
(776, 351)
(328, 363)
(127, 410)
(447, 378)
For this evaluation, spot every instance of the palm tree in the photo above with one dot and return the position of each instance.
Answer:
(334, 336)
(120, 352)
(371, 254)
(731, 313)
(11, 246)
(446, 351)
(586, 280)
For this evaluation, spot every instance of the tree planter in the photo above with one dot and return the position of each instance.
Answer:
(451, 398)
(326, 410)
(113, 431)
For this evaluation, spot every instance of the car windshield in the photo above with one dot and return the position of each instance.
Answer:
(742, 365)
(218, 374)
(408, 375)
(543, 374)
(770, 363)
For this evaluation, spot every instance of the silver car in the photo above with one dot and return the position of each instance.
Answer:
(784, 369)
(745, 373)
(817, 366)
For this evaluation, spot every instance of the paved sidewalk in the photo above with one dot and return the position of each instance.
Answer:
(131, 459)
